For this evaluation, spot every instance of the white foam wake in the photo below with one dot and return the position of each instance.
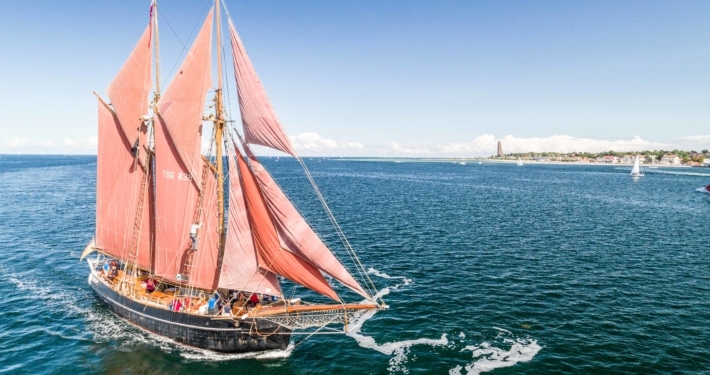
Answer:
(506, 350)
(399, 350)
(487, 357)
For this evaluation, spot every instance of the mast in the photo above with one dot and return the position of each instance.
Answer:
(150, 165)
(219, 133)
(154, 18)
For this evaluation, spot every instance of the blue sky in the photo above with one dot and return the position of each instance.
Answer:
(390, 78)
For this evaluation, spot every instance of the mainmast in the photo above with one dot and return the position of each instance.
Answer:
(219, 134)
(156, 45)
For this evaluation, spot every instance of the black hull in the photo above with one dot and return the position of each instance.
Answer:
(201, 331)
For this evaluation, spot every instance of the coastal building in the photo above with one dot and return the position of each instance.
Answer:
(670, 159)
(500, 150)
(610, 159)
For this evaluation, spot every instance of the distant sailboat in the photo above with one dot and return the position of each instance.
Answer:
(178, 233)
(636, 171)
(520, 162)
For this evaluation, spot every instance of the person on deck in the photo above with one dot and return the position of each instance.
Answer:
(227, 310)
(212, 303)
(149, 285)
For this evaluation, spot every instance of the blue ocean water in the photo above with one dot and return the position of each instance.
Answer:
(491, 268)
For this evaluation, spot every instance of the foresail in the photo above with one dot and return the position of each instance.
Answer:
(240, 269)
(269, 253)
(118, 185)
(261, 125)
(297, 236)
(179, 169)
(129, 92)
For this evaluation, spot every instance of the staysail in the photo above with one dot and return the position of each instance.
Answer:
(270, 255)
(120, 172)
(295, 233)
(179, 169)
(240, 269)
(261, 125)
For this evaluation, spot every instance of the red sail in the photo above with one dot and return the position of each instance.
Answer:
(130, 89)
(261, 125)
(181, 105)
(119, 168)
(296, 234)
(240, 269)
(269, 252)
(179, 165)
(118, 185)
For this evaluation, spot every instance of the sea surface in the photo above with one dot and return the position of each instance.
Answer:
(490, 268)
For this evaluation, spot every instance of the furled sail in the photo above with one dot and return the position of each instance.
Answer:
(129, 92)
(119, 172)
(117, 190)
(179, 166)
(240, 269)
(270, 255)
(261, 125)
(297, 236)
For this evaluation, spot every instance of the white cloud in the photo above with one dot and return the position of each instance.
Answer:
(26, 145)
(314, 142)
(396, 148)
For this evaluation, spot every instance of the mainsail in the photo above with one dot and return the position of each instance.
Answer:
(179, 169)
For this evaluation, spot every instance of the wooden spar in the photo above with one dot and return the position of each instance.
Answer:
(157, 50)
(293, 309)
(219, 133)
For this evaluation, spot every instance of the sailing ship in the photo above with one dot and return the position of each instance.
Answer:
(197, 247)
(520, 162)
(636, 170)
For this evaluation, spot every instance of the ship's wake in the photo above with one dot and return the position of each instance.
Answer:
(503, 350)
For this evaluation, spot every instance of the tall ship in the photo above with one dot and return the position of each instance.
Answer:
(197, 246)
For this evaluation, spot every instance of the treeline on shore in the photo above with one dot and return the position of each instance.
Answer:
(684, 156)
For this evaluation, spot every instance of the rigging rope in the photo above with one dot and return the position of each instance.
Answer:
(351, 251)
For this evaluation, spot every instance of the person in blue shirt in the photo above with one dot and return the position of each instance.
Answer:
(211, 304)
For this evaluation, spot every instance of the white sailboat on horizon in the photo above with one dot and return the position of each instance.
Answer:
(636, 171)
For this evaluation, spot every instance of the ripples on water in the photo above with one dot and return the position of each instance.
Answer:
(536, 269)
